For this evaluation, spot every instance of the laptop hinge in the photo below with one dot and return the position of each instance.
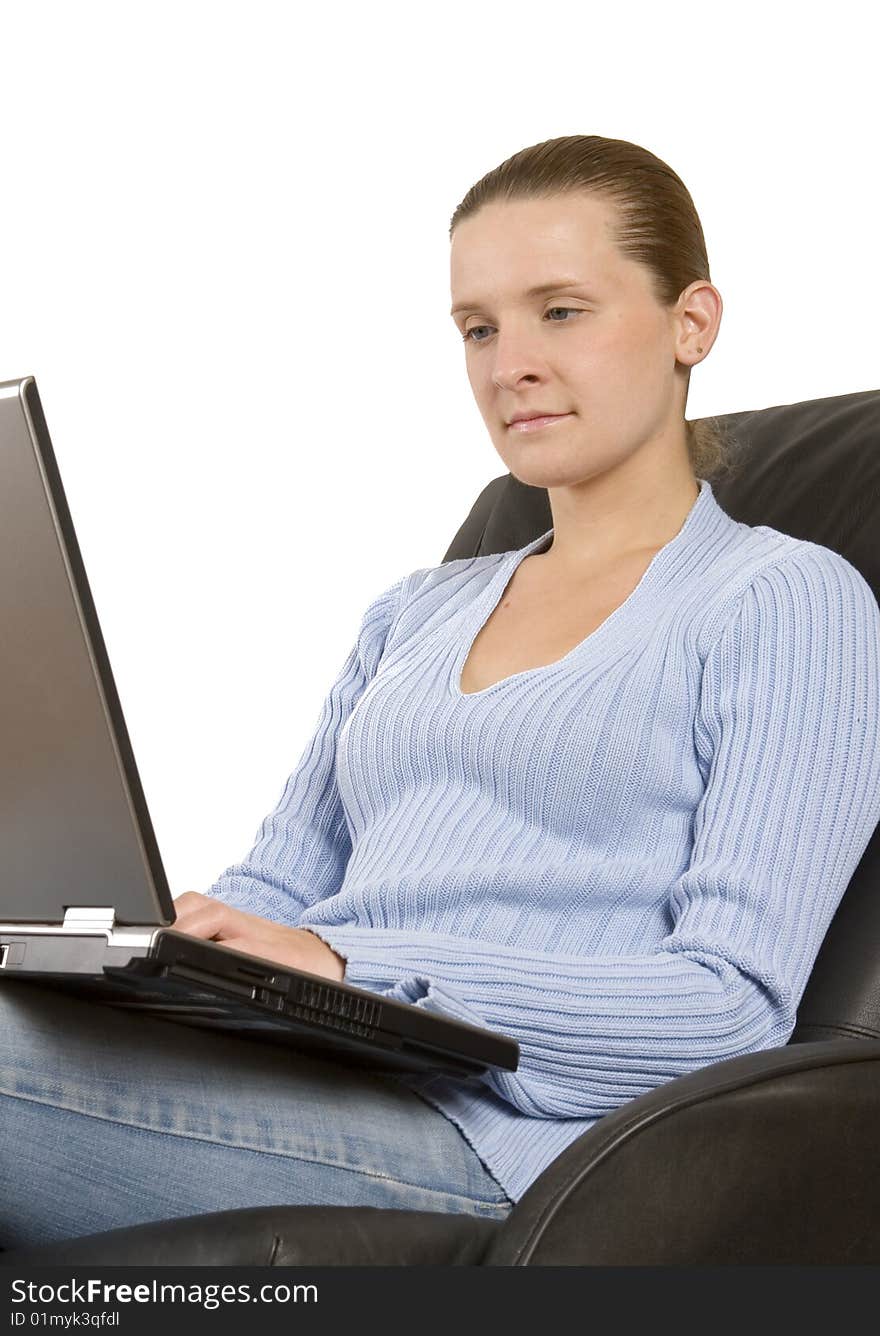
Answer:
(90, 920)
(80, 917)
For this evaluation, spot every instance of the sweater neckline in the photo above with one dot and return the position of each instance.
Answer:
(661, 565)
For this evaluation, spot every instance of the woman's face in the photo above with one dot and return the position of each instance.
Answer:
(609, 359)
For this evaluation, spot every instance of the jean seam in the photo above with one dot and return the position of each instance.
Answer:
(234, 1145)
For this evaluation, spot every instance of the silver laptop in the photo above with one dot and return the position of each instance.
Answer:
(84, 902)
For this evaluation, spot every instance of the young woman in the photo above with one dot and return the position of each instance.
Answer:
(602, 793)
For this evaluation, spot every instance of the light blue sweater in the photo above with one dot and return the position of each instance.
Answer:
(626, 860)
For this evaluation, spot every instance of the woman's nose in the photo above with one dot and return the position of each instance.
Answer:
(515, 356)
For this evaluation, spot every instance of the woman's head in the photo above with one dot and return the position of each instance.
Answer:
(618, 221)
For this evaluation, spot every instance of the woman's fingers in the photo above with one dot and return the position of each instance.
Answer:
(201, 916)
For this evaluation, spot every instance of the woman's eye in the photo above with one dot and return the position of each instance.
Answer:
(571, 310)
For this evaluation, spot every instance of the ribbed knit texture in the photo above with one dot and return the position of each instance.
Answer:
(626, 860)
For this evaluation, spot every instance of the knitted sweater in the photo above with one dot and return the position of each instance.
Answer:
(627, 859)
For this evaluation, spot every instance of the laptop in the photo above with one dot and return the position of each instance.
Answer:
(85, 906)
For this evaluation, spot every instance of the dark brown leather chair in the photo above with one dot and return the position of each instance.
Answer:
(764, 1159)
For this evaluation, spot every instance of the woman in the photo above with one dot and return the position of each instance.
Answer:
(574, 792)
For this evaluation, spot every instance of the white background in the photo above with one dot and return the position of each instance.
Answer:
(226, 261)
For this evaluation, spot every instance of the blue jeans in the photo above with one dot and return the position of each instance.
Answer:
(111, 1118)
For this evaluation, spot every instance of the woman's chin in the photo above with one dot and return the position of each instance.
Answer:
(546, 472)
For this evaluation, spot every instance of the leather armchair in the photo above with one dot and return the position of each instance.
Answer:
(768, 1158)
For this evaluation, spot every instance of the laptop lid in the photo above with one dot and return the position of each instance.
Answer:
(74, 826)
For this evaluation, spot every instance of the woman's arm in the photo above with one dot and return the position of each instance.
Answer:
(789, 724)
(302, 847)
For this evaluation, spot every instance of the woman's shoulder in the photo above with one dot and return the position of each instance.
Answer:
(813, 561)
(790, 582)
(449, 575)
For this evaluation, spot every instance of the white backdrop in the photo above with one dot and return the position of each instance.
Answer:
(227, 264)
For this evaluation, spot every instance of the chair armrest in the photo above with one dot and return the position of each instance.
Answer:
(764, 1159)
(277, 1236)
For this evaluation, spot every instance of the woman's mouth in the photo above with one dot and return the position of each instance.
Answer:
(537, 424)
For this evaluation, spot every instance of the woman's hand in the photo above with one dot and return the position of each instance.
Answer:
(201, 916)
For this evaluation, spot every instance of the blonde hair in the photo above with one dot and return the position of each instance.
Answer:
(656, 224)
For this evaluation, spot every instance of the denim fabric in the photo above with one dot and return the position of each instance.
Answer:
(111, 1118)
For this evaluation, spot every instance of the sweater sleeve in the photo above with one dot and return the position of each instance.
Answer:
(303, 845)
(788, 729)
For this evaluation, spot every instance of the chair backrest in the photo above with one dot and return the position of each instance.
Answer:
(812, 470)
